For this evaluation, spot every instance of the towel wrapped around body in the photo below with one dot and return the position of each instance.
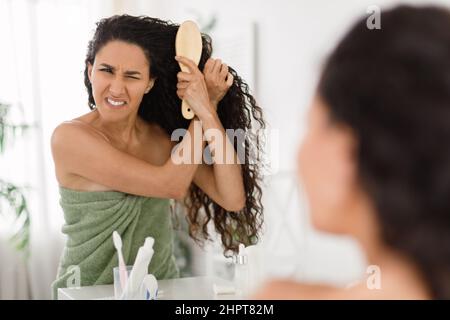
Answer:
(90, 219)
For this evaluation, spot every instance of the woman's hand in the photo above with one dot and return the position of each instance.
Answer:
(191, 87)
(218, 80)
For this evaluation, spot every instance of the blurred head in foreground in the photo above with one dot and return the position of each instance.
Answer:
(375, 162)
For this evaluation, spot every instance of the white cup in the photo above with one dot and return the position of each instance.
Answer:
(117, 284)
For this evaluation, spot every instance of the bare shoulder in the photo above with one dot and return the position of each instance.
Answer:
(83, 123)
(71, 132)
(292, 290)
(64, 133)
(69, 139)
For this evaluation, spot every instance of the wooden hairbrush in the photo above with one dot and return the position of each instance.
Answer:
(188, 44)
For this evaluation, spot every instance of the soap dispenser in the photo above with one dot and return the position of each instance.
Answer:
(241, 276)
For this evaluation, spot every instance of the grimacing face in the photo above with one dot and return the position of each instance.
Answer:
(119, 77)
(327, 170)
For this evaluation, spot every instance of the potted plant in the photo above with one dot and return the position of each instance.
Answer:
(12, 197)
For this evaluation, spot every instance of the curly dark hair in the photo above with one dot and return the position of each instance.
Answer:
(392, 88)
(237, 110)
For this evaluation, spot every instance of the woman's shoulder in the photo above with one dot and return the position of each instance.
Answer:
(68, 129)
(291, 290)
(286, 289)
(72, 136)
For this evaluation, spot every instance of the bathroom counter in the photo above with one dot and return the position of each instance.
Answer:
(194, 288)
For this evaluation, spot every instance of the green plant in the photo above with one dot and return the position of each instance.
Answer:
(10, 194)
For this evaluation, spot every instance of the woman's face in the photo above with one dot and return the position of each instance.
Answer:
(327, 170)
(119, 77)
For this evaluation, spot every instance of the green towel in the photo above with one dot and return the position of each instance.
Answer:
(90, 219)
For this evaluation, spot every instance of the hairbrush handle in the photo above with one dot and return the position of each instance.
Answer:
(188, 43)
(186, 110)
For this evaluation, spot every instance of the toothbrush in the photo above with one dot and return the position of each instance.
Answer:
(122, 269)
(139, 270)
(150, 287)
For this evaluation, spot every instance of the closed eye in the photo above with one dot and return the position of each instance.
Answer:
(110, 71)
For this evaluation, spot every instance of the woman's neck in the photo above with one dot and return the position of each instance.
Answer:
(125, 131)
(399, 274)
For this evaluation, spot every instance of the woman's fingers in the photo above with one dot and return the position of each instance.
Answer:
(217, 66)
(208, 66)
(215, 76)
(216, 70)
(218, 79)
(188, 63)
(180, 93)
(185, 76)
(182, 84)
(224, 72)
(230, 80)
(191, 86)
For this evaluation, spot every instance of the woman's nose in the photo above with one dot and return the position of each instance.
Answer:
(117, 87)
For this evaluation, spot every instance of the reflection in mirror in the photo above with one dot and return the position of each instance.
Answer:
(117, 166)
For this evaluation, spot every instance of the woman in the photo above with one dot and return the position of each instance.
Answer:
(375, 162)
(117, 166)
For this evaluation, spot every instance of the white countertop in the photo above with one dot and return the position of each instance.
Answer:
(194, 288)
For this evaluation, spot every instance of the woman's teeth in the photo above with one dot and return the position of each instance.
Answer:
(116, 103)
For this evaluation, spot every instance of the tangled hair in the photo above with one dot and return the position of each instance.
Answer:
(237, 110)
(392, 88)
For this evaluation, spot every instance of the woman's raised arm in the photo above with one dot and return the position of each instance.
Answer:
(80, 152)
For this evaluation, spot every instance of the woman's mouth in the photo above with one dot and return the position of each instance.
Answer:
(114, 103)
